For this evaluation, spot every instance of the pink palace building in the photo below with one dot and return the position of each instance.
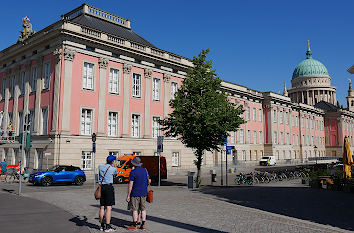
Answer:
(90, 72)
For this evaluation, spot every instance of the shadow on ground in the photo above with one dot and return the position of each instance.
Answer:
(317, 205)
(173, 223)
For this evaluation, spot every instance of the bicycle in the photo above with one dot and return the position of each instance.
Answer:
(242, 179)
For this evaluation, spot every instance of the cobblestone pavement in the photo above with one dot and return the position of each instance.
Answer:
(176, 209)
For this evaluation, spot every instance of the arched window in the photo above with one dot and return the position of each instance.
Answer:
(352, 103)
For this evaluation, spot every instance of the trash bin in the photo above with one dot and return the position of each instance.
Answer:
(191, 180)
(213, 176)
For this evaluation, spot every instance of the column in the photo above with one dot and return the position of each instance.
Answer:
(313, 97)
(7, 97)
(302, 97)
(147, 127)
(69, 55)
(308, 97)
(166, 96)
(16, 95)
(334, 98)
(102, 63)
(58, 55)
(37, 108)
(126, 97)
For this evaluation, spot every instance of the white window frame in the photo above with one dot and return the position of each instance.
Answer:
(242, 136)
(136, 85)
(155, 126)
(274, 115)
(260, 137)
(156, 89)
(248, 136)
(135, 125)
(86, 160)
(232, 137)
(46, 76)
(86, 76)
(281, 117)
(34, 76)
(115, 153)
(174, 89)
(22, 83)
(248, 113)
(260, 115)
(275, 137)
(86, 128)
(175, 159)
(113, 128)
(254, 114)
(114, 81)
(255, 137)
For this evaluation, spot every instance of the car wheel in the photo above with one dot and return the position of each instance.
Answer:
(79, 180)
(46, 181)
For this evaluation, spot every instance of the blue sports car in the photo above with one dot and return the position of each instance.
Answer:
(58, 174)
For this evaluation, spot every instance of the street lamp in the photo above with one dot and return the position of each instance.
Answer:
(315, 147)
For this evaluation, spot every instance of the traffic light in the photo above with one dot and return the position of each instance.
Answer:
(93, 137)
(28, 141)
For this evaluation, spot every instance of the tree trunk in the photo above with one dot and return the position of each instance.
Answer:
(199, 155)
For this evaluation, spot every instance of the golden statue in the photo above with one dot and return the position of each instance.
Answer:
(27, 29)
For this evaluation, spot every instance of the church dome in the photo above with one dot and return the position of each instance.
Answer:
(310, 67)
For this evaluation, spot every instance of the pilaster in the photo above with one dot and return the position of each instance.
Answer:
(102, 63)
(27, 90)
(69, 55)
(166, 96)
(126, 97)
(37, 108)
(7, 97)
(58, 59)
(16, 95)
(147, 123)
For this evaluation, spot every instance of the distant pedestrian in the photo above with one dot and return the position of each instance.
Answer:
(137, 191)
(107, 200)
(3, 166)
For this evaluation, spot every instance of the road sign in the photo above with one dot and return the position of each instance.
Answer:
(47, 154)
(94, 147)
(160, 144)
(229, 148)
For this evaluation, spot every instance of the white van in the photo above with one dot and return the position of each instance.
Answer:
(268, 161)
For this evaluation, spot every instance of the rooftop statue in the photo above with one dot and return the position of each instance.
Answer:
(27, 30)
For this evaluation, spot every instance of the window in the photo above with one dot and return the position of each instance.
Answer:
(135, 126)
(3, 88)
(287, 118)
(244, 155)
(281, 117)
(33, 82)
(46, 76)
(307, 123)
(232, 137)
(260, 137)
(260, 115)
(287, 139)
(12, 86)
(293, 142)
(255, 155)
(156, 87)
(136, 85)
(115, 153)
(249, 136)
(175, 159)
(302, 122)
(248, 113)
(275, 137)
(22, 83)
(113, 83)
(274, 116)
(86, 160)
(20, 122)
(31, 120)
(174, 89)
(155, 127)
(255, 137)
(281, 138)
(44, 121)
(86, 121)
(112, 124)
(242, 138)
(254, 113)
(137, 153)
(296, 121)
(87, 77)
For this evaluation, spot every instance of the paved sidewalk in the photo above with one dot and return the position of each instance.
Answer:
(23, 214)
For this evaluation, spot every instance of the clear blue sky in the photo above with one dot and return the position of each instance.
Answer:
(253, 43)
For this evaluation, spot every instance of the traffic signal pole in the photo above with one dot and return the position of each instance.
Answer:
(23, 143)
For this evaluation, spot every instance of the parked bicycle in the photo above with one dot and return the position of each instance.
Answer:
(244, 179)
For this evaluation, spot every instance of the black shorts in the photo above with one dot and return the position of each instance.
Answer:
(107, 195)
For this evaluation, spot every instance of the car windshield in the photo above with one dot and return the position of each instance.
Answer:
(120, 163)
(265, 157)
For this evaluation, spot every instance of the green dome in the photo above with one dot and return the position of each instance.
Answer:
(310, 67)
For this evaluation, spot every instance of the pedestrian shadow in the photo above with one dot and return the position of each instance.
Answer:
(82, 221)
(326, 207)
(169, 222)
(8, 190)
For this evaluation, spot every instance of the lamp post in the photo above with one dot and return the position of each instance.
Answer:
(315, 147)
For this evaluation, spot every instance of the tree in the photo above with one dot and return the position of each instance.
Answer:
(202, 114)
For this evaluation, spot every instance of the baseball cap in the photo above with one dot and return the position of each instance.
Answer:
(111, 158)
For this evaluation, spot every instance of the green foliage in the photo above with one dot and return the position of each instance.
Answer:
(314, 174)
(202, 113)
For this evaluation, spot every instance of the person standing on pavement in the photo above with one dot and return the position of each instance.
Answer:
(3, 166)
(137, 191)
(107, 200)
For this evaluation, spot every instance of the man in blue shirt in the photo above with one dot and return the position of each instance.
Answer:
(3, 166)
(139, 180)
(105, 174)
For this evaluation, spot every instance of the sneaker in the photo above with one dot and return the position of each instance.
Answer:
(142, 227)
(109, 228)
(103, 227)
(132, 227)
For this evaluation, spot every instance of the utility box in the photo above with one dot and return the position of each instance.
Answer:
(213, 176)
(191, 180)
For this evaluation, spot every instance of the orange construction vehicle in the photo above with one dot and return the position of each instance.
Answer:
(151, 163)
